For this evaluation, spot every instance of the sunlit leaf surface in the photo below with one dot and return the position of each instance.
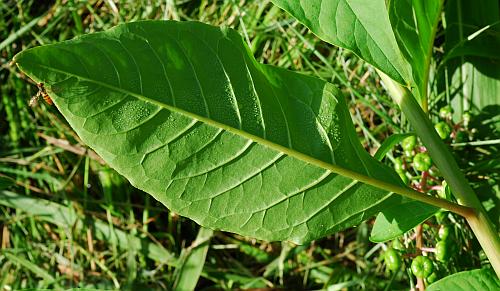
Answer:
(186, 114)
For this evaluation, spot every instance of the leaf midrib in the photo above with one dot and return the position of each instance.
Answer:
(288, 151)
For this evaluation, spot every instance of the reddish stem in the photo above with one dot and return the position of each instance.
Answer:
(423, 181)
(419, 245)
(428, 250)
(436, 187)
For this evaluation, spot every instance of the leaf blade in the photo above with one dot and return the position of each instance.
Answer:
(266, 153)
(372, 39)
(481, 279)
(192, 260)
(389, 143)
(414, 24)
(397, 220)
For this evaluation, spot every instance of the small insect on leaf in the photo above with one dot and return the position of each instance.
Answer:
(41, 92)
(47, 99)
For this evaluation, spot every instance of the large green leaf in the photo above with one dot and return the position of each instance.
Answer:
(390, 36)
(475, 280)
(395, 36)
(360, 26)
(185, 112)
(414, 23)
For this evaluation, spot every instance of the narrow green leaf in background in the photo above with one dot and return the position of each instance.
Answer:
(38, 271)
(389, 143)
(65, 216)
(472, 60)
(397, 220)
(185, 112)
(191, 261)
(475, 280)
(5, 182)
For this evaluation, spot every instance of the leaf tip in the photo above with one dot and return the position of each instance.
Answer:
(17, 60)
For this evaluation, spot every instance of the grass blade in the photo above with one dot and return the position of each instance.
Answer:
(192, 260)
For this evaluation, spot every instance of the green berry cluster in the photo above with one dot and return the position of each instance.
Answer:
(414, 157)
(415, 167)
(415, 163)
(453, 132)
(422, 266)
(444, 247)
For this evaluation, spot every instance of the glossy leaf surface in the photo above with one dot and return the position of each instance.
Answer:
(394, 36)
(353, 25)
(402, 33)
(414, 23)
(397, 220)
(475, 280)
(186, 114)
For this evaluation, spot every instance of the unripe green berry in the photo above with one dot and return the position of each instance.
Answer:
(446, 112)
(466, 118)
(422, 267)
(443, 129)
(444, 232)
(482, 255)
(432, 278)
(441, 216)
(392, 260)
(409, 155)
(397, 245)
(409, 143)
(399, 165)
(422, 162)
(443, 251)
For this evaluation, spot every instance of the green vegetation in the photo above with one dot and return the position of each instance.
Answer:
(392, 260)
(207, 121)
(422, 267)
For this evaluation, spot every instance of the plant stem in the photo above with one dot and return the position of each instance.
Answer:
(478, 220)
(419, 244)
